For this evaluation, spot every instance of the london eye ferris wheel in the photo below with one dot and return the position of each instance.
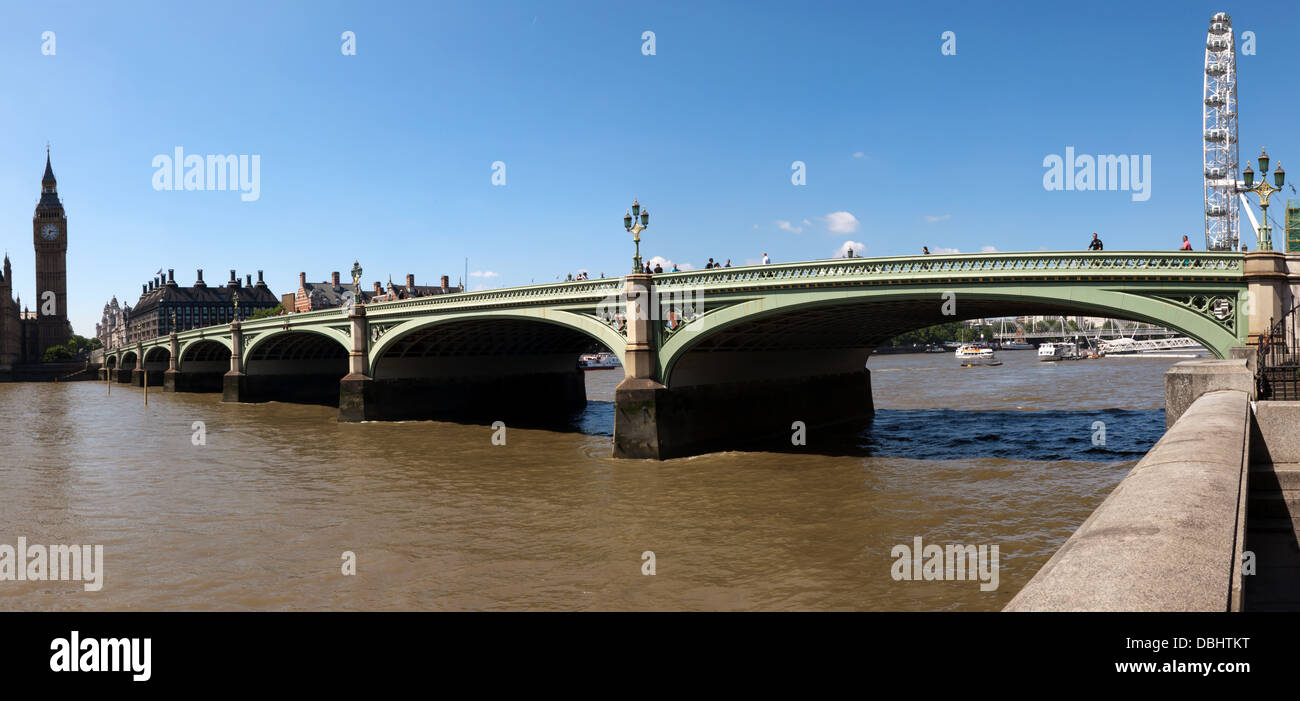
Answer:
(1219, 125)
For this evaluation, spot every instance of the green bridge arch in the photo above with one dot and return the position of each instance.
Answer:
(1147, 303)
(580, 323)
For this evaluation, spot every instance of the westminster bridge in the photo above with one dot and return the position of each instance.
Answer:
(713, 358)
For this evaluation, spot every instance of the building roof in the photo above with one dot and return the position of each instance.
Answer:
(326, 294)
(49, 171)
(257, 295)
(49, 204)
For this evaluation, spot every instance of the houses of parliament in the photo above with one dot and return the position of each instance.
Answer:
(25, 333)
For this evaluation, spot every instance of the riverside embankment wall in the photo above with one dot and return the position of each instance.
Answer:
(1170, 536)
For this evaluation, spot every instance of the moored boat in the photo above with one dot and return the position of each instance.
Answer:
(976, 354)
(598, 361)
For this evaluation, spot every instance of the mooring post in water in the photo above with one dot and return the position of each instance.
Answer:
(146, 384)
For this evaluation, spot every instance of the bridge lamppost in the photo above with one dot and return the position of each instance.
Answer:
(636, 221)
(1263, 190)
(356, 281)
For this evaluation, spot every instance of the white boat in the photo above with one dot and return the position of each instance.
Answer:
(598, 361)
(976, 354)
(1058, 351)
(1017, 345)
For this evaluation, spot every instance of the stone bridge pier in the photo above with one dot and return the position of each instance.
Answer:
(506, 368)
(727, 397)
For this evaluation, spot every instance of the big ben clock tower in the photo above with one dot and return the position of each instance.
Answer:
(50, 236)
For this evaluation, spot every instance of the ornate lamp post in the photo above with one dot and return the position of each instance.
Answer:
(235, 297)
(636, 221)
(356, 281)
(1263, 190)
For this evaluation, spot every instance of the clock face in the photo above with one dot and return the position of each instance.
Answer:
(49, 232)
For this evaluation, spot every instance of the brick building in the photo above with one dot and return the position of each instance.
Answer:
(334, 292)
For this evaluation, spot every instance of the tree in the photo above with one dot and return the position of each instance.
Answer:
(57, 354)
(277, 310)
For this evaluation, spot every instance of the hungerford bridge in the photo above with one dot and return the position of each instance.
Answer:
(713, 358)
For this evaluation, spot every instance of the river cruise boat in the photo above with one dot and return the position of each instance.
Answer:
(598, 361)
(970, 354)
(1058, 351)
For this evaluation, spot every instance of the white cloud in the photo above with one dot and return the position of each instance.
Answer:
(857, 247)
(943, 250)
(668, 264)
(934, 218)
(484, 273)
(841, 222)
(859, 154)
(783, 224)
(988, 249)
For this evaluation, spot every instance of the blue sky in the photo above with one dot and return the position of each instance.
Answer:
(386, 156)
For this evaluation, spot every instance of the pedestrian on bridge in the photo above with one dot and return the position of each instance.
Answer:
(1095, 245)
(766, 260)
(1187, 245)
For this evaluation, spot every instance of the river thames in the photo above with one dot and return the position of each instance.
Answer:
(258, 515)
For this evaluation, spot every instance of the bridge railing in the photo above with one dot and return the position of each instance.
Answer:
(1047, 264)
(1277, 372)
(574, 290)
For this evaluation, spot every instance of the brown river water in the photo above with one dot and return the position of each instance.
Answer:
(439, 518)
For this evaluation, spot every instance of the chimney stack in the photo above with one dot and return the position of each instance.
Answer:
(379, 289)
(302, 281)
(444, 283)
(334, 278)
(249, 278)
(260, 281)
(410, 281)
(171, 276)
(200, 282)
(144, 289)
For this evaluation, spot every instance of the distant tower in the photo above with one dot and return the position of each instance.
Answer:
(50, 237)
(1219, 122)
